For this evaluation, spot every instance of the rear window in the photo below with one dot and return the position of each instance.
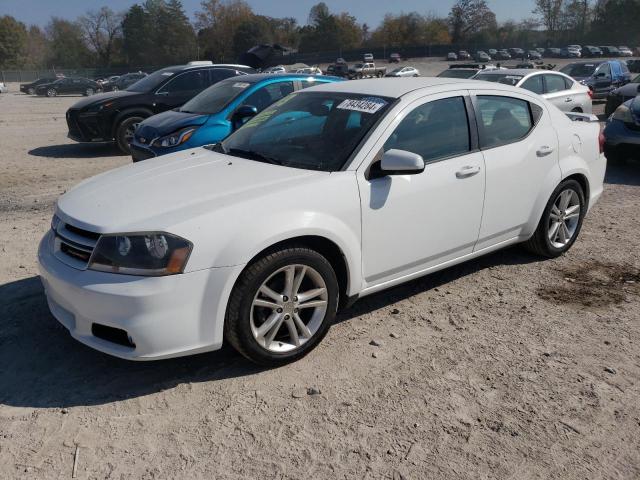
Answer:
(457, 73)
(579, 69)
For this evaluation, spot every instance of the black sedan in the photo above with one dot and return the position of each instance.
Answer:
(621, 94)
(30, 88)
(68, 86)
(123, 82)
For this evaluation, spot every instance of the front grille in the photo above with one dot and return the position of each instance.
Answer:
(74, 245)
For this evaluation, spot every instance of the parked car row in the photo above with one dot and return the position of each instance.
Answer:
(570, 51)
(114, 116)
(51, 87)
(259, 239)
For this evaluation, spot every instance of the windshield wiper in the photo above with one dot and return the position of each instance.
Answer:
(253, 155)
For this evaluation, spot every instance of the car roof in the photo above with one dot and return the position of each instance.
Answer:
(518, 71)
(398, 87)
(261, 77)
(180, 68)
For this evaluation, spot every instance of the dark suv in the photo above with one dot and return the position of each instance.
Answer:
(600, 76)
(114, 116)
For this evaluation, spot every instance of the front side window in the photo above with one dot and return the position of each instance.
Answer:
(187, 82)
(265, 96)
(534, 84)
(434, 130)
(218, 74)
(309, 130)
(502, 120)
(555, 83)
(604, 69)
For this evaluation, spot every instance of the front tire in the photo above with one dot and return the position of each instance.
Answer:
(561, 221)
(125, 131)
(89, 91)
(52, 92)
(32, 91)
(282, 306)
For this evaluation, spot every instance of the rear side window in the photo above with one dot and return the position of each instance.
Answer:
(434, 130)
(502, 120)
(555, 83)
(534, 84)
(568, 83)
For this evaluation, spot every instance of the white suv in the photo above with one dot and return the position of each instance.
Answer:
(333, 193)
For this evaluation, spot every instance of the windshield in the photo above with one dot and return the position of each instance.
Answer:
(216, 97)
(310, 130)
(150, 82)
(457, 73)
(579, 69)
(499, 78)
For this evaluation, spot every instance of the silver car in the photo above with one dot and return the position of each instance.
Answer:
(404, 72)
(560, 89)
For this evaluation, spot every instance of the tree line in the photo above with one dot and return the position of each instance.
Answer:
(159, 32)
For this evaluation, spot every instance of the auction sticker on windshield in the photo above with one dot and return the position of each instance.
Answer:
(365, 105)
(241, 85)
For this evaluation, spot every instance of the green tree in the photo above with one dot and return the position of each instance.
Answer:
(13, 41)
(37, 48)
(137, 40)
(66, 45)
(470, 17)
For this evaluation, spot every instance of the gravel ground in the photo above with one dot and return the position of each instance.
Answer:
(505, 367)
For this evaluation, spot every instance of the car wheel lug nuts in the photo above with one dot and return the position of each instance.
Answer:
(295, 310)
(286, 317)
(279, 310)
(286, 299)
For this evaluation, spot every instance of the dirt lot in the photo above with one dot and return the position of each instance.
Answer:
(506, 367)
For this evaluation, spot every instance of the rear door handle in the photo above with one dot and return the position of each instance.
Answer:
(468, 171)
(544, 151)
(568, 99)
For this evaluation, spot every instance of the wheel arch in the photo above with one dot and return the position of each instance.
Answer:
(324, 246)
(128, 112)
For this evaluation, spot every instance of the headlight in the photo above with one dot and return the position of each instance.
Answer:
(174, 139)
(623, 113)
(97, 107)
(149, 254)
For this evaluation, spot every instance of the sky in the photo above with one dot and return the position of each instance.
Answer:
(366, 11)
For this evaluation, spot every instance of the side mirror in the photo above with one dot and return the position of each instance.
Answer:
(241, 115)
(397, 162)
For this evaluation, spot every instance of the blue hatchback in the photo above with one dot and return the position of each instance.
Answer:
(216, 112)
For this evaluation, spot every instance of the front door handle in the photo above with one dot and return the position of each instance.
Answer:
(569, 99)
(544, 151)
(468, 171)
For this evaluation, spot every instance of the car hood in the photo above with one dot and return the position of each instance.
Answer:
(168, 122)
(165, 192)
(628, 90)
(103, 97)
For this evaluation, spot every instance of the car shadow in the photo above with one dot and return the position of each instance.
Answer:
(77, 150)
(42, 366)
(624, 172)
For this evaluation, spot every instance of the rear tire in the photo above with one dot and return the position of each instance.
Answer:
(124, 133)
(261, 326)
(561, 221)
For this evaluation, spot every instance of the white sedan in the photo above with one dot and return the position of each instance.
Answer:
(560, 89)
(333, 193)
(404, 72)
(3, 88)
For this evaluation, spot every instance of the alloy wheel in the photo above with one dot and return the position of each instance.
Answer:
(128, 135)
(564, 218)
(288, 308)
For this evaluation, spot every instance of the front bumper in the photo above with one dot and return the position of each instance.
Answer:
(87, 127)
(163, 317)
